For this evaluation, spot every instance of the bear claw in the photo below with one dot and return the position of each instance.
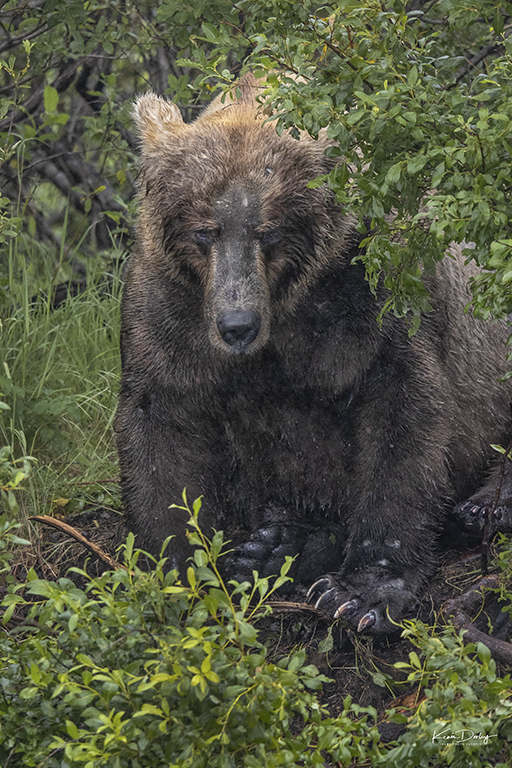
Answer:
(369, 604)
(323, 597)
(346, 609)
(368, 620)
(321, 586)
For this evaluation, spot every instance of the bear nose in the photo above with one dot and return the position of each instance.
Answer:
(239, 328)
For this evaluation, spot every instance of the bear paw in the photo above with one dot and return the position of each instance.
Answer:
(315, 551)
(473, 514)
(264, 552)
(371, 606)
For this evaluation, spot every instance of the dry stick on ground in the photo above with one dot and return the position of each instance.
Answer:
(281, 606)
(458, 611)
(70, 531)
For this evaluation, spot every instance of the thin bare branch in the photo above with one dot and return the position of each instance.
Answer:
(70, 531)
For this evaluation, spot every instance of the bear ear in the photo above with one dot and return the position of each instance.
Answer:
(155, 119)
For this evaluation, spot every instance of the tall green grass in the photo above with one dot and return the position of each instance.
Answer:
(59, 375)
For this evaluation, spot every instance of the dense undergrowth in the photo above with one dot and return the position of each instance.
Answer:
(143, 669)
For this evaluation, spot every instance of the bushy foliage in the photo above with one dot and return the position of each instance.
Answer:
(141, 669)
(420, 130)
(464, 713)
(68, 74)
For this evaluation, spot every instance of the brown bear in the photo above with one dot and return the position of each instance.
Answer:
(255, 374)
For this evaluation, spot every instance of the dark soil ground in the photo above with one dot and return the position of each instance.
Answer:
(357, 665)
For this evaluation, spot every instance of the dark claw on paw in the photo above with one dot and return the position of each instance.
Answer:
(323, 597)
(368, 620)
(473, 513)
(320, 586)
(346, 609)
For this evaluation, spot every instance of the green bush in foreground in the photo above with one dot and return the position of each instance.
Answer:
(140, 670)
(465, 715)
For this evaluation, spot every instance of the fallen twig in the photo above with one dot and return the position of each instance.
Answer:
(70, 531)
(282, 606)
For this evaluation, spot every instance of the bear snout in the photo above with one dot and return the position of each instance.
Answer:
(239, 328)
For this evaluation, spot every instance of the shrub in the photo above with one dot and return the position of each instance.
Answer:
(141, 669)
(464, 716)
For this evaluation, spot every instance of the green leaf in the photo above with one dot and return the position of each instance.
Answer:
(484, 653)
(42, 588)
(73, 621)
(51, 98)
(191, 577)
(393, 174)
(355, 116)
(438, 174)
(412, 77)
(297, 661)
(248, 632)
(59, 119)
(498, 22)
(415, 164)
(72, 729)
(318, 182)
(211, 32)
(35, 673)
(327, 644)
(148, 709)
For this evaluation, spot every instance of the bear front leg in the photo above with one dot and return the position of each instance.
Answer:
(397, 486)
(163, 451)
(384, 571)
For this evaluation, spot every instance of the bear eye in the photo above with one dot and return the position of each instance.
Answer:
(269, 238)
(204, 238)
